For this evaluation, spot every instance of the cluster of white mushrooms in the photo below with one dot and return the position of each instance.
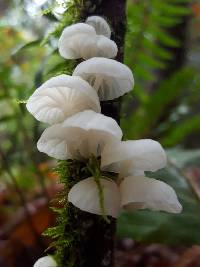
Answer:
(71, 105)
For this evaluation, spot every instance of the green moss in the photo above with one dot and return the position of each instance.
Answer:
(70, 16)
(65, 235)
(69, 233)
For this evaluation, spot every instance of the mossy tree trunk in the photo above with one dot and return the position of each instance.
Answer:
(88, 240)
(99, 245)
(101, 241)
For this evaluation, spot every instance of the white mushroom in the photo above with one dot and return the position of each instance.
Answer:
(93, 46)
(46, 261)
(133, 193)
(79, 136)
(110, 79)
(139, 192)
(100, 24)
(61, 97)
(85, 196)
(75, 43)
(128, 156)
(66, 47)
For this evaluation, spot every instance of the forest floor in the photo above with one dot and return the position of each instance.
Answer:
(133, 254)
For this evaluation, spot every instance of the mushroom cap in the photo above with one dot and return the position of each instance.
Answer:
(79, 136)
(100, 24)
(110, 78)
(86, 46)
(98, 46)
(61, 97)
(106, 47)
(66, 39)
(140, 192)
(85, 196)
(46, 261)
(77, 29)
(127, 156)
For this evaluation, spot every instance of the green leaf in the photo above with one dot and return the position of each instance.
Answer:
(143, 73)
(181, 130)
(172, 9)
(166, 21)
(165, 38)
(150, 61)
(61, 67)
(7, 118)
(139, 93)
(140, 123)
(51, 17)
(157, 50)
(20, 49)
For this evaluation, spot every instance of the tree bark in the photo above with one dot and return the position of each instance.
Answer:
(114, 11)
(96, 246)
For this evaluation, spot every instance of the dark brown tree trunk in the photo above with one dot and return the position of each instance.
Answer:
(97, 240)
(114, 11)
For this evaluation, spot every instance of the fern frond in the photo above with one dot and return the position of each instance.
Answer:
(148, 38)
(149, 113)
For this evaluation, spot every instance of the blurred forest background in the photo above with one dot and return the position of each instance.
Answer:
(162, 49)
